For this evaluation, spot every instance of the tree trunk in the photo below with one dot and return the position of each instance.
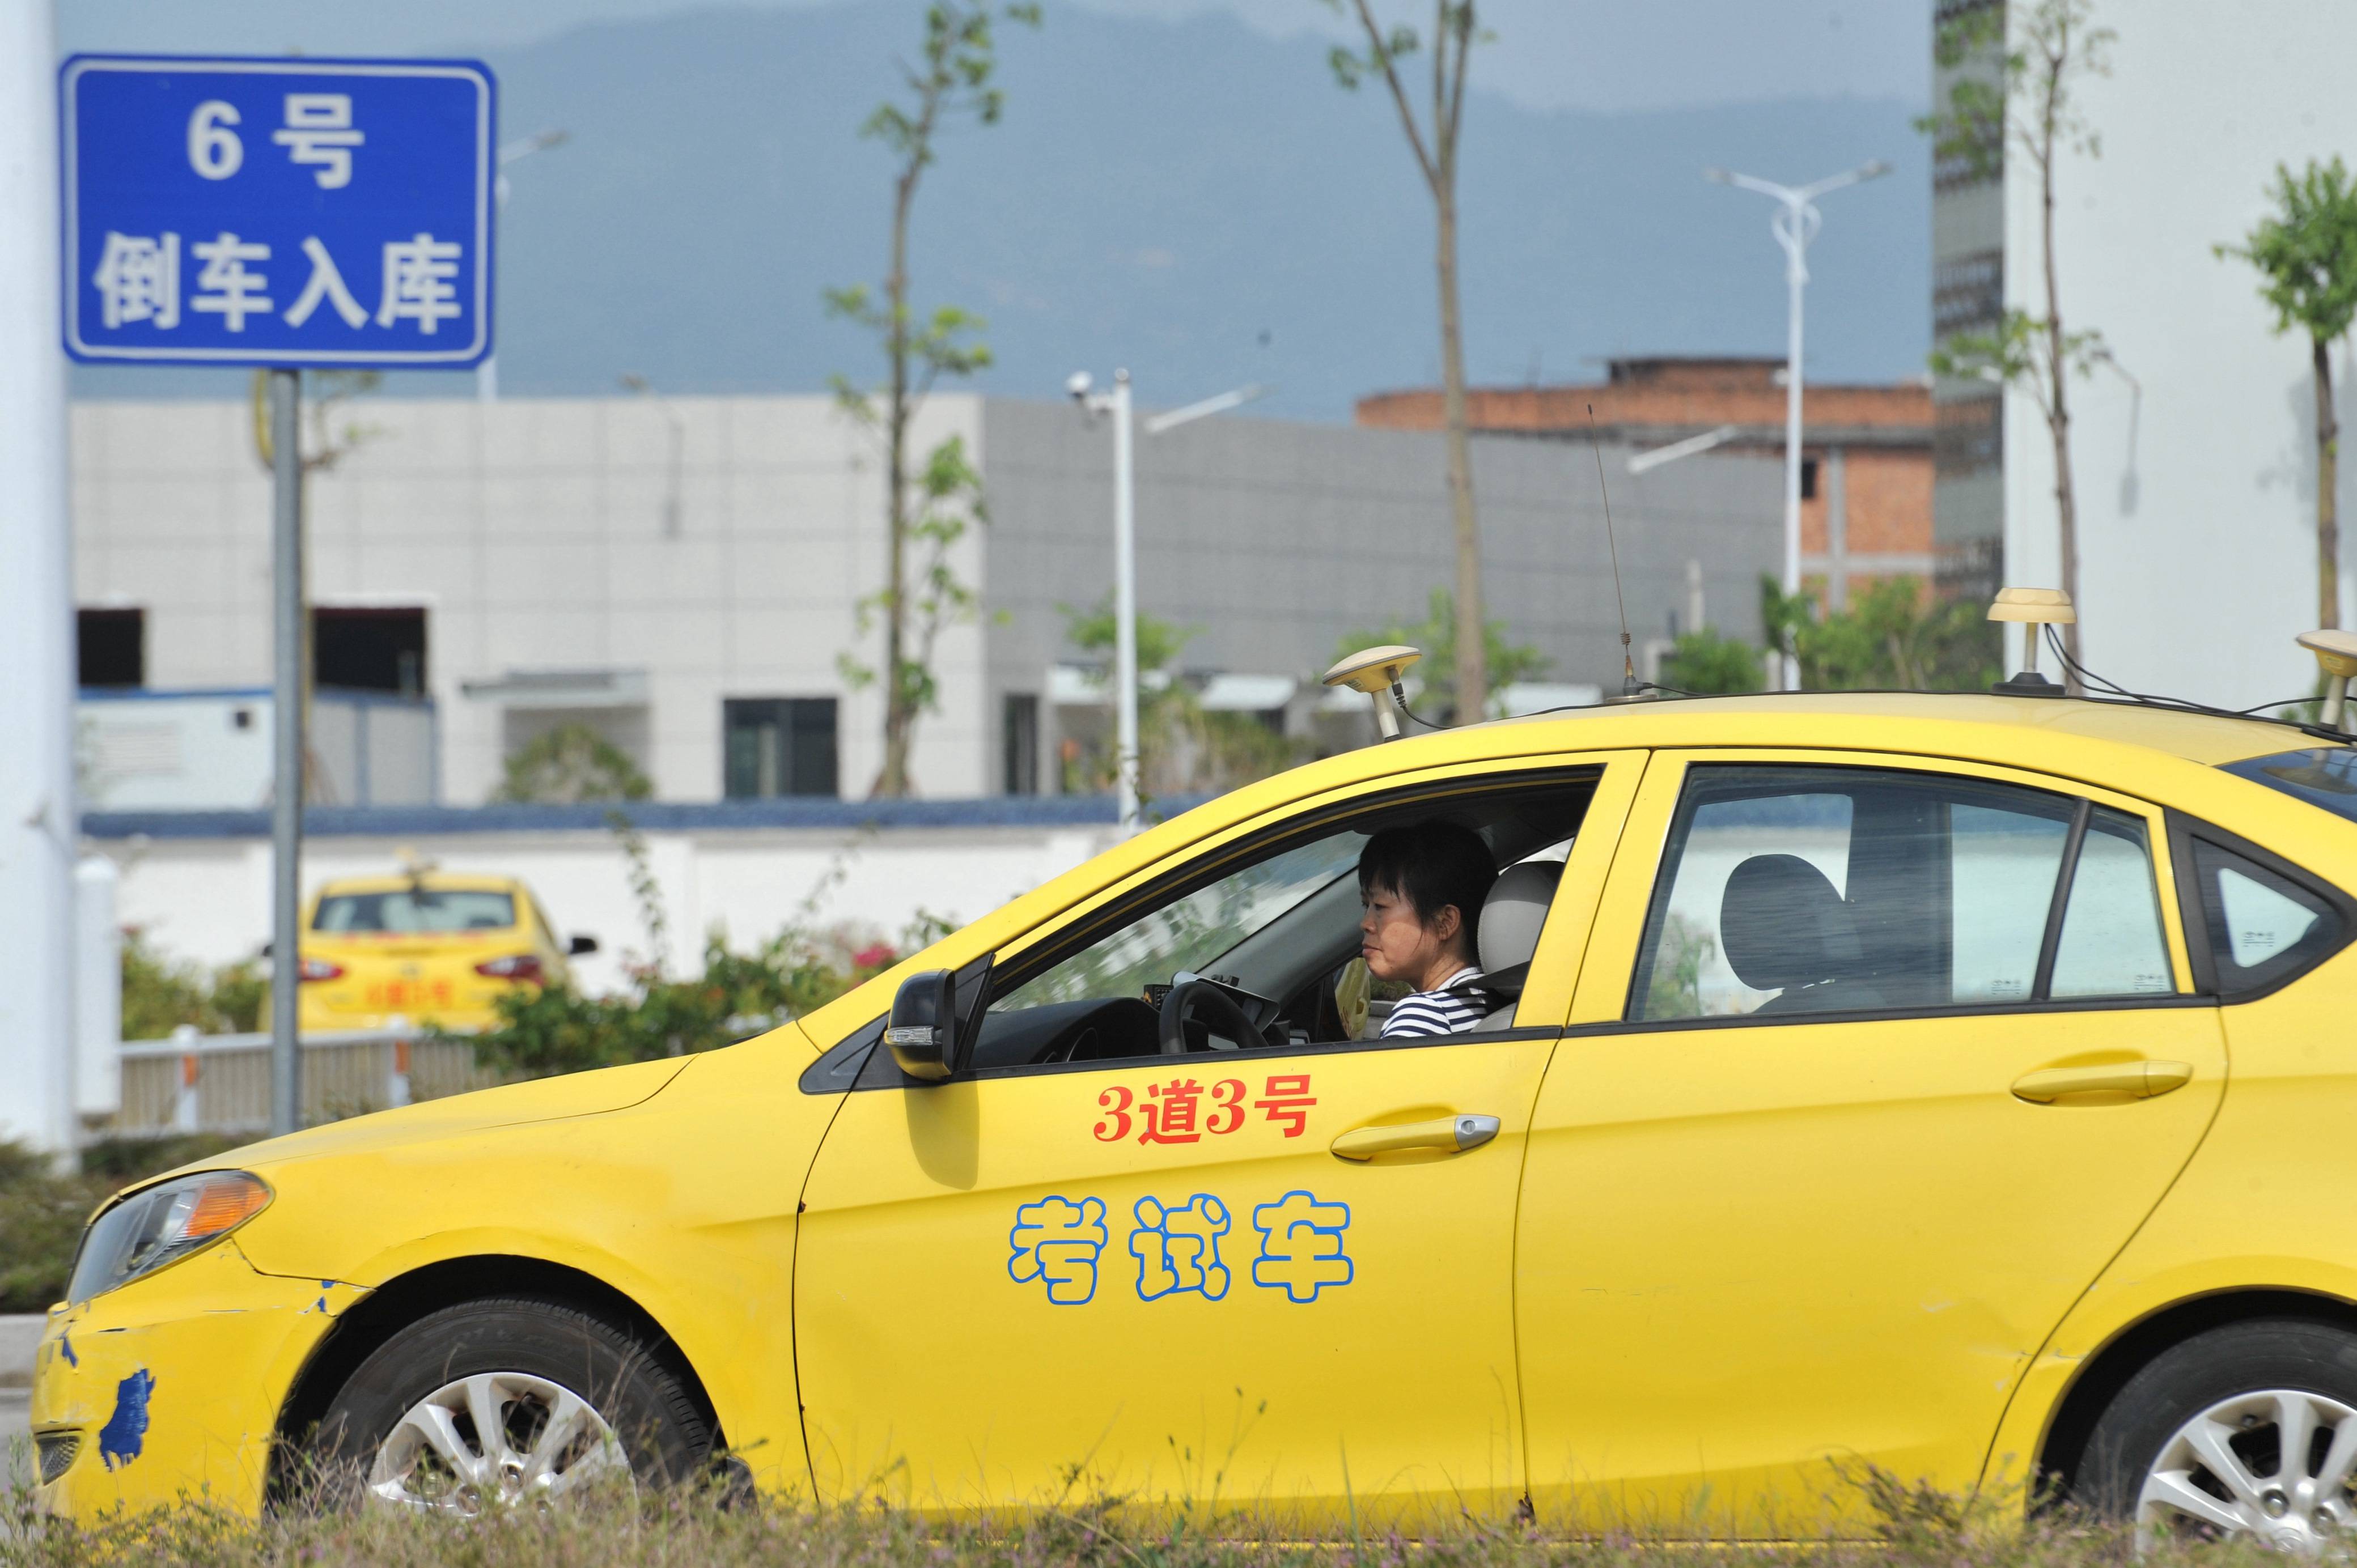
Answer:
(1472, 649)
(2066, 504)
(2058, 416)
(2328, 501)
(898, 720)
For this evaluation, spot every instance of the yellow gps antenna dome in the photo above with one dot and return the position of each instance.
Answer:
(2337, 653)
(1375, 670)
(2034, 609)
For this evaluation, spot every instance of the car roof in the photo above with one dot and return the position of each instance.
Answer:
(1809, 718)
(432, 881)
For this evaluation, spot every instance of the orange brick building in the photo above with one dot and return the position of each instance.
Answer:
(1866, 471)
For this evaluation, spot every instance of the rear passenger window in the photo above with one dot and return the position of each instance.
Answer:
(2262, 927)
(2110, 941)
(1798, 891)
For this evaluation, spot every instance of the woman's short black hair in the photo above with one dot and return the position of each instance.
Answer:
(1432, 865)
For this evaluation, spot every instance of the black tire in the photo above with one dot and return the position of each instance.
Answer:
(2192, 1377)
(659, 1422)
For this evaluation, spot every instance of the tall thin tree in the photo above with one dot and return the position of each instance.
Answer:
(952, 78)
(2032, 106)
(2305, 252)
(1435, 141)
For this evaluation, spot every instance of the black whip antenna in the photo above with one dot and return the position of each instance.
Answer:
(1629, 686)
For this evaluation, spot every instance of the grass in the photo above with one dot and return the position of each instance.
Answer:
(1917, 1530)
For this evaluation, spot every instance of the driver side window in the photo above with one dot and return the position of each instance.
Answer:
(1263, 940)
(1192, 931)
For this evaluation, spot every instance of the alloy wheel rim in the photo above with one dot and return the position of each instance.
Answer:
(2272, 1467)
(492, 1441)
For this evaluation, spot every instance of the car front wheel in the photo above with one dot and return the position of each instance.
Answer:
(493, 1404)
(2247, 1431)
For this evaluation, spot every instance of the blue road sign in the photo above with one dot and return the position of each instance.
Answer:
(277, 212)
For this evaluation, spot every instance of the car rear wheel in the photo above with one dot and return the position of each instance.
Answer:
(2248, 1433)
(506, 1404)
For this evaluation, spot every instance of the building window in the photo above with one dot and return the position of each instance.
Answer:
(369, 649)
(1967, 435)
(1019, 733)
(1808, 478)
(778, 746)
(1967, 294)
(111, 647)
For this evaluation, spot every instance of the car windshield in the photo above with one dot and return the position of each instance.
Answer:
(407, 910)
(2323, 775)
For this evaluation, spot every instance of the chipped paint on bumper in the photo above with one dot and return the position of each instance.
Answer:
(173, 1384)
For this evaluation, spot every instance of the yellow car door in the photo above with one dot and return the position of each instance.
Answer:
(1277, 1276)
(1874, 1065)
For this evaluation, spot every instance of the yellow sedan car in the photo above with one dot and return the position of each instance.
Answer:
(428, 946)
(1959, 1085)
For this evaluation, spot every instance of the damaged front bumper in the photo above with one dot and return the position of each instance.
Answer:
(168, 1389)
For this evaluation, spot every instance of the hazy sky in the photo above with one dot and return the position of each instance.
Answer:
(1588, 54)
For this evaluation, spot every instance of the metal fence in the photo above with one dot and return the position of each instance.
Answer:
(220, 1083)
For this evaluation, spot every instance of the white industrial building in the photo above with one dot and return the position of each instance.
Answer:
(2194, 453)
(685, 576)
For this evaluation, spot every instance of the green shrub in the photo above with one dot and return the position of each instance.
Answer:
(1707, 664)
(1895, 635)
(568, 764)
(559, 1030)
(161, 993)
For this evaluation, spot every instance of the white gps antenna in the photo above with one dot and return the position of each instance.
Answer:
(1376, 670)
(2337, 653)
(2033, 609)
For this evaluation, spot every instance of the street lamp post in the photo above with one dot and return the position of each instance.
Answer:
(1794, 225)
(487, 374)
(1116, 402)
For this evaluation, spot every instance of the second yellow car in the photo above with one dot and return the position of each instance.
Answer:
(431, 946)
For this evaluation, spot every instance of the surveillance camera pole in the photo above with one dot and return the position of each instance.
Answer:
(1794, 225)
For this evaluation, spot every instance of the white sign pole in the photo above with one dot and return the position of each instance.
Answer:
(38, 818)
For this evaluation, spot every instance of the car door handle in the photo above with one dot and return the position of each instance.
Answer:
(1452, 1133)
(2141, 1079)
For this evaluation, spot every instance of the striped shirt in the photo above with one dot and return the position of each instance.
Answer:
(1450, 1009)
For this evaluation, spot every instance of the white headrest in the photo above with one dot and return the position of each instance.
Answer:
(1515, 910)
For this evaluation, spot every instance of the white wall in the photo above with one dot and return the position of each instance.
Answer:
(208, 900)
(533, 532)
(2197, 514)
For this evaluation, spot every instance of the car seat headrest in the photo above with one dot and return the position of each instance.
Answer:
(1781, 924)
(1513, 912)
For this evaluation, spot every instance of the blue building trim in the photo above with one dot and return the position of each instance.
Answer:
(353, 696)
(651, 816)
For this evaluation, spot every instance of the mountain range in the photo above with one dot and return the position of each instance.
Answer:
(1191, 198)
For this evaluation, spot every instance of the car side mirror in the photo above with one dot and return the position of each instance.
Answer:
(923, 1031)
(582, 945)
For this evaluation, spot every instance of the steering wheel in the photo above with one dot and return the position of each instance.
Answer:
(1226, 1013)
